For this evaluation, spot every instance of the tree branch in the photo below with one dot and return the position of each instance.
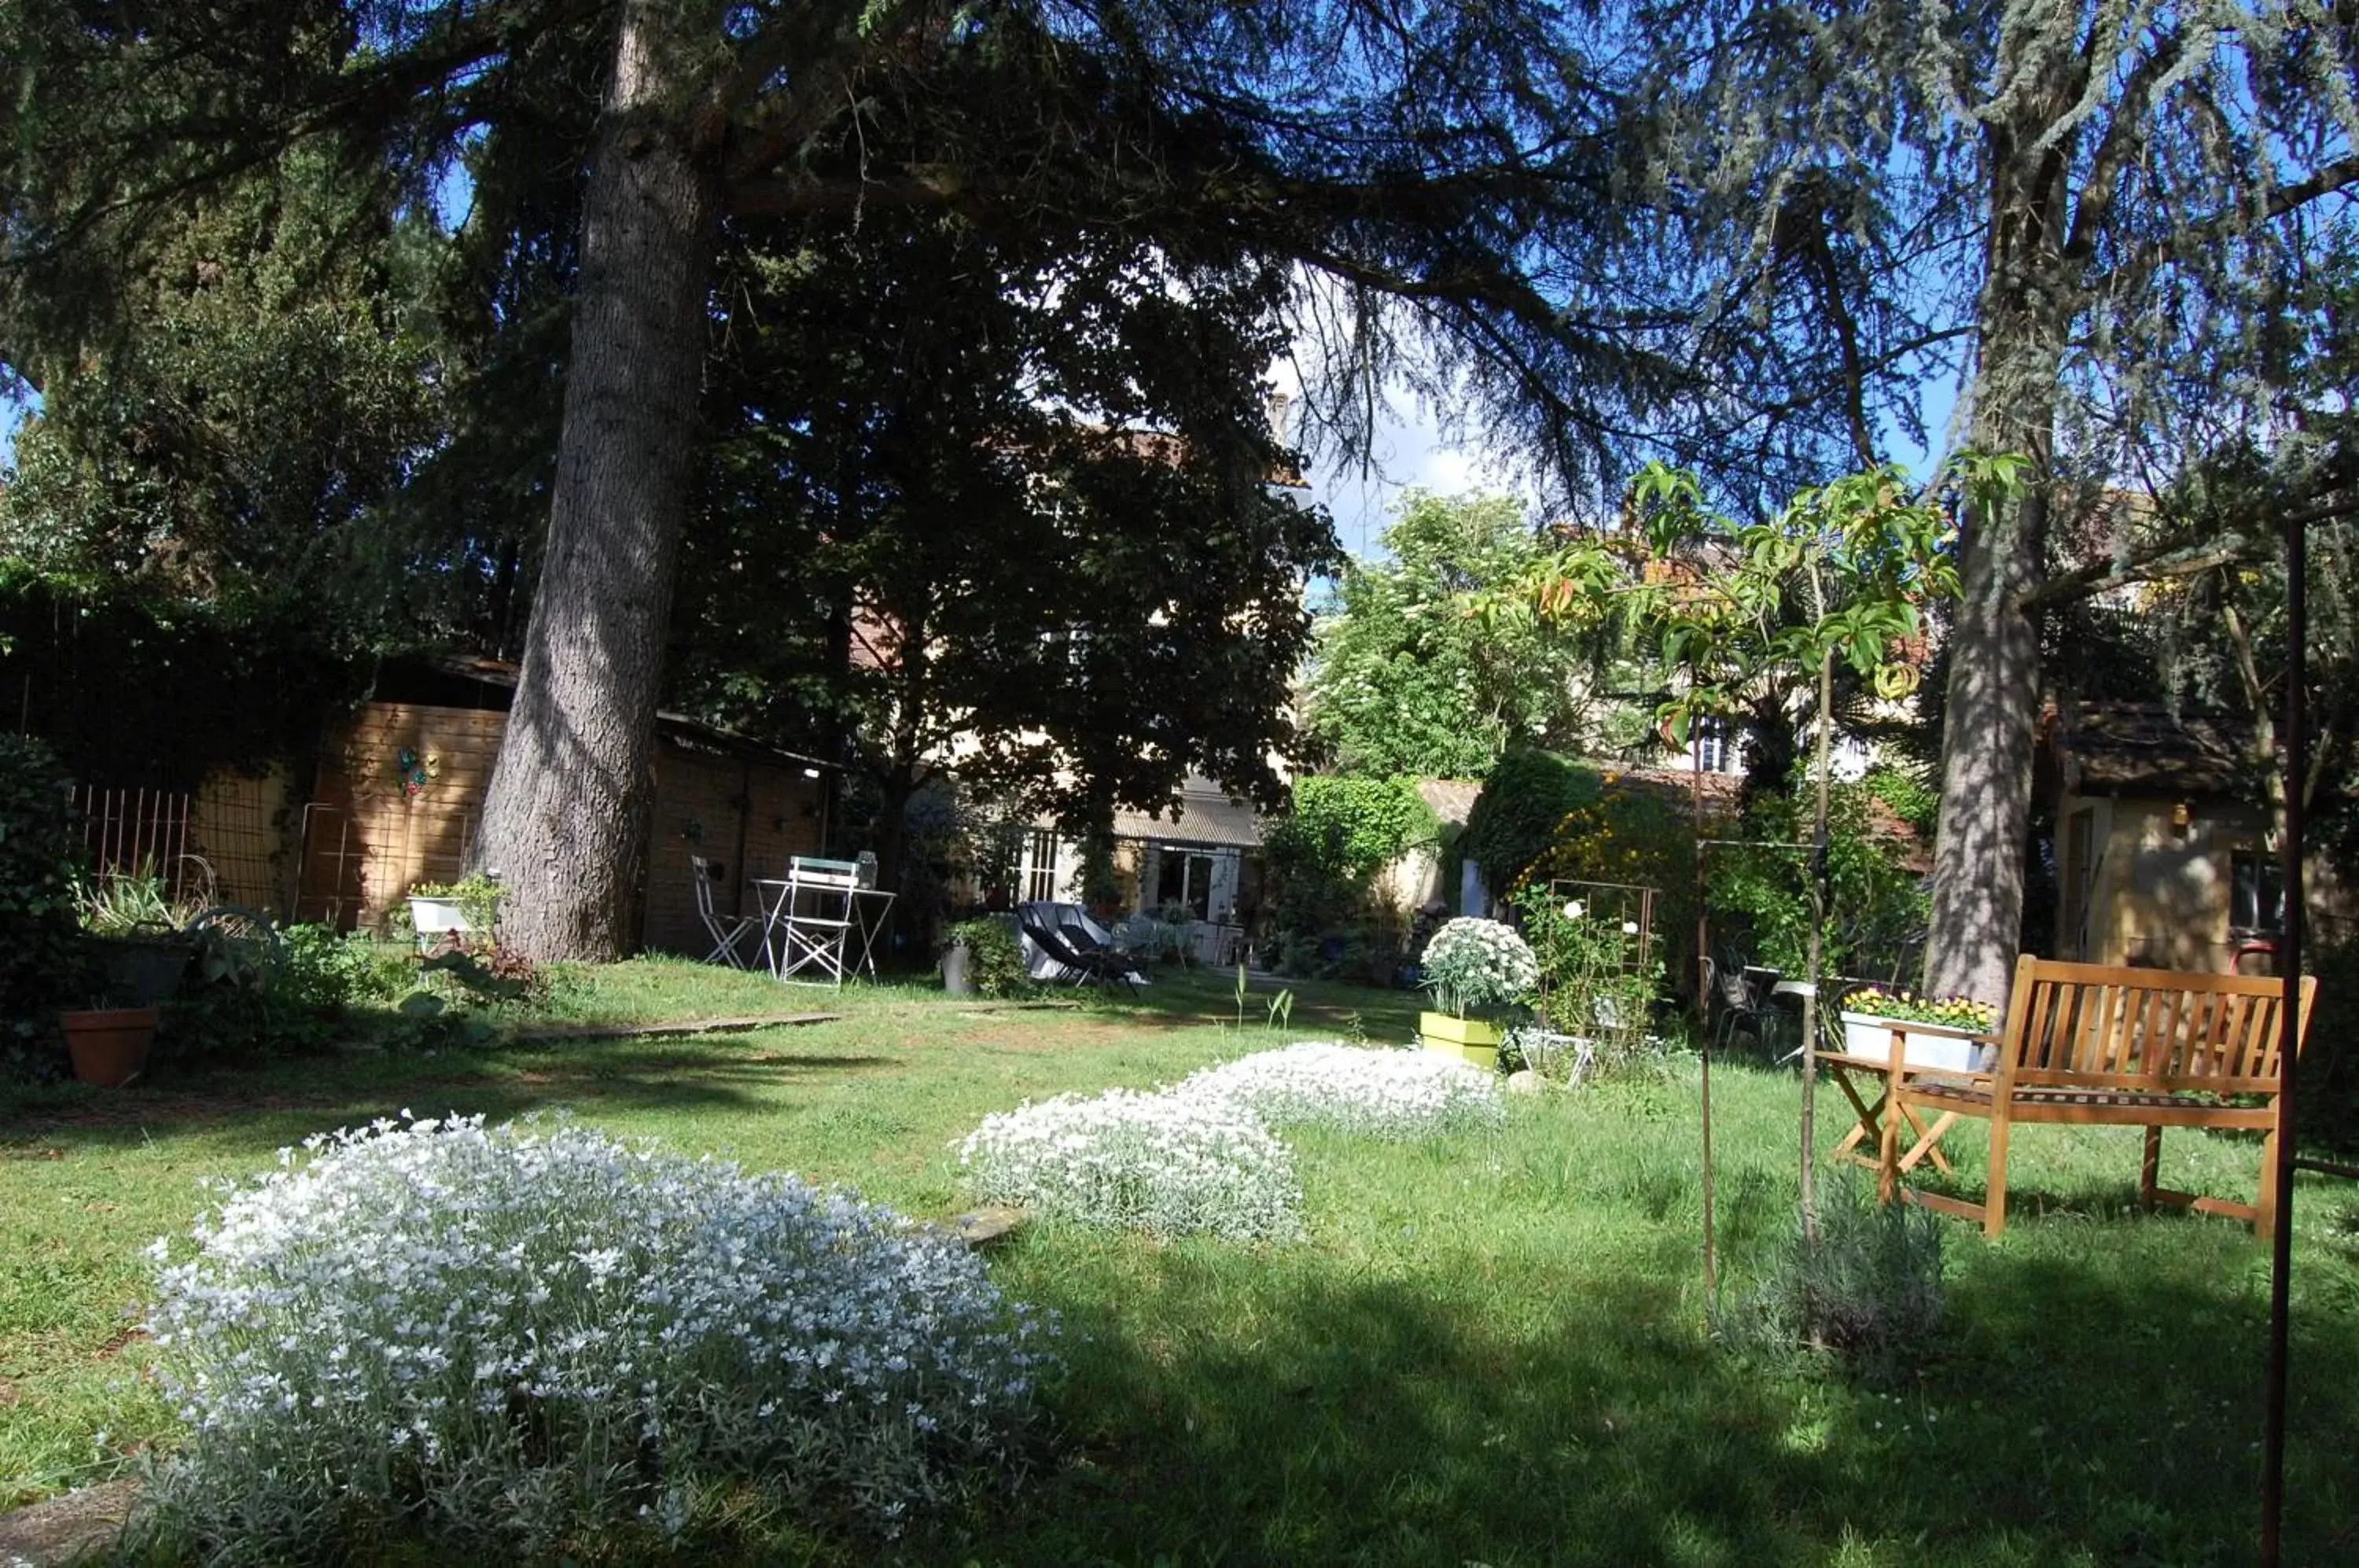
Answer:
(2093, 578)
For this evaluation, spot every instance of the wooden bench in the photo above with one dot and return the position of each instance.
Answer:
(2087, 1044)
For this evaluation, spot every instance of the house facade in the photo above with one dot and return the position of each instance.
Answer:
(2163, 854)
(1204, 855)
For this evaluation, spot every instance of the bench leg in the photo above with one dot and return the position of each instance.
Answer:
(1994, 1198)
(2150, 1167)
(2265, 1208)
(1887, 1150)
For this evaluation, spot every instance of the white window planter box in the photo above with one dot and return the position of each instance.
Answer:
(434, 919)
(1937, 1046)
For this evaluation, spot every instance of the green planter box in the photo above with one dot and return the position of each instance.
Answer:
(1469, 1040)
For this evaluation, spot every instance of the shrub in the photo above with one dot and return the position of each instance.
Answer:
(1876, 905)
(2330, 1056)
(1516, 818)
(1323, 858)
(327, 974)
(1478, 964)
(1631, 836)
(1386, 1093)
(994, 955)
(313, 988)
(525, 1340)
(1162, 1163)
(1868, 1289)
(1591, 986)
(42, 963)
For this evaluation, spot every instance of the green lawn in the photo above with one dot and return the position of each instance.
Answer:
(1492, 1349)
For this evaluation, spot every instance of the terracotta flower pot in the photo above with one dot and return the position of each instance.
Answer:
(108, 1045)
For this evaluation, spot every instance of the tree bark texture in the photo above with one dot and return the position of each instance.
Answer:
(1993, 698)
(565, 821)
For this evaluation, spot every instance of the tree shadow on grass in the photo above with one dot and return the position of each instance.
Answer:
(268, 1109)
(2071, 1416)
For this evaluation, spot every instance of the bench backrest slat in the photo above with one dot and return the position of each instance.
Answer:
(2158, 1030)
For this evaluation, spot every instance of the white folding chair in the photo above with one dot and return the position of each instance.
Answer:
(818, 914)
(726, 930)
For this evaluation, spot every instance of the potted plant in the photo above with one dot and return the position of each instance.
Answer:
(134, 930)
(455, 910)
(993, 958)
(1947, 1035)
(1474, 965)
(108, 1045)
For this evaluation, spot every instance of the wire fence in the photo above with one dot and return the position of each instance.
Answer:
(140, 832)
(222, 846)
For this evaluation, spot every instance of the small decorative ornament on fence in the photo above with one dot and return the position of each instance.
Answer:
(417, 772)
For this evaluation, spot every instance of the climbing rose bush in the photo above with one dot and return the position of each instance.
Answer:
(1478, 964)
(527, 1338)
(1168, 1164)
(1373, 1091)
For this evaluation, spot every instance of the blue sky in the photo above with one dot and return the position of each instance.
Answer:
(1411, 453)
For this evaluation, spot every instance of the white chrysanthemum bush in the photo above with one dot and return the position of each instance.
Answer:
(1473, 965)
(1167, 1164)
(1376, 1093)
(524, 1337)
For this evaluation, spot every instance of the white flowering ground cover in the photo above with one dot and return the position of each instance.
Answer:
(1375, 1092)
(1201, 1158)
(525, 1337)
(1167, 1164)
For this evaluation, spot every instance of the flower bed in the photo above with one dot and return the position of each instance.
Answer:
(1396, 1094)
(529, 1340)
(1167, 1164)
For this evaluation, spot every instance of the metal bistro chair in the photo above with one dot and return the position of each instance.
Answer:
(817, 919)
(1740, 992)
(726, 930)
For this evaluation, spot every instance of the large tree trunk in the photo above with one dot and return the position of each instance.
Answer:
(565, 821)
(1992, 711)
(1987, 736)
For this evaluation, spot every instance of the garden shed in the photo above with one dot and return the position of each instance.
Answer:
(2163, 851)
(398, 789)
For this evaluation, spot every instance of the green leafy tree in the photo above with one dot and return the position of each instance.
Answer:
(1867, 552)
(1298, 126)
(1072, 604)
(262, 392)
(1405, 682)
(2095, 215)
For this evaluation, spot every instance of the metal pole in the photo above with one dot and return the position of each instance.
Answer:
(2297, 774)
(1703, 1048)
